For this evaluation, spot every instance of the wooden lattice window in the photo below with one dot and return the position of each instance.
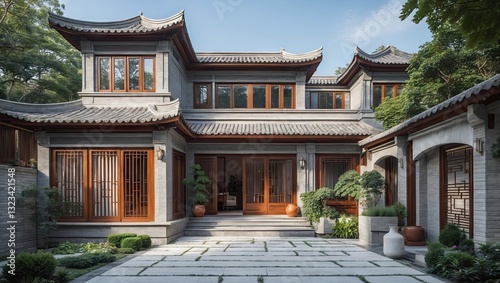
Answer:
(105, 185)
(456, 188)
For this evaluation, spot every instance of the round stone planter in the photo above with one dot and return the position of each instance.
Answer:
(292, 210)
(198, 210)
(394, 244)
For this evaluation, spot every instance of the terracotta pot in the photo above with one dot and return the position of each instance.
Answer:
(414, 236)
(292, 210)
(198, 210)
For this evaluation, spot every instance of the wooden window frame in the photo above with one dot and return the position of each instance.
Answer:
(88, 200)
(126, 87)
(209, 103)
(250, 95)
(333, 94)
(395, 87)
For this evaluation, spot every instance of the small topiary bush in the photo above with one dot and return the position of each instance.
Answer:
(146, 241)
(380, 211)
(86, 260)
(126, 251)
(31, 266)
(116, 239)
(451, 235)
(132, 242)
(347, 227)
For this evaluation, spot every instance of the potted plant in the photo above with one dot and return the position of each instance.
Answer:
(367, 189)
(314, 208)
(199, 194)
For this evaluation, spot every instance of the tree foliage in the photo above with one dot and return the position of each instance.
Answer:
(477, 20)
(36, 63)
(441, 69)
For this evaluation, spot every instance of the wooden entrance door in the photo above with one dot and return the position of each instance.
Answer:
(254, 190)
(268, 184)
(209, 165)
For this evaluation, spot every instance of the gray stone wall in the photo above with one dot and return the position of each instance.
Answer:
(432, 185)
(492, 180)
(25, 236)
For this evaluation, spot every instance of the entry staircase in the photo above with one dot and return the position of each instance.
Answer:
(249, 226)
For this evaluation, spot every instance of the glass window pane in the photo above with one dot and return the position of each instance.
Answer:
(259, 97)
(389, 91)
(201, 96)
(133, 73)
(338, 101)
(275, 96)
(308, 100)
(377, 95)
(240, 96)
(325, 100)
(224, 96)
(104, 73)
(287, 96)
(314, 100)
(119, 70)
(148, 74)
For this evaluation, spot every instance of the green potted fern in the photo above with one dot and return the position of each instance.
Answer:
(198, 190)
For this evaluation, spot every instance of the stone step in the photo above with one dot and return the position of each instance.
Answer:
(248, 225)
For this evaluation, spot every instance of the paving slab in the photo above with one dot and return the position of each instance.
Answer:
(267, 259)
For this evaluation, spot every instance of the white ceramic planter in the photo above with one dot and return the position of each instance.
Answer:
(394, 243)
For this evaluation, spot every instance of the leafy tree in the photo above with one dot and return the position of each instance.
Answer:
(36, 63)
(380, 48)
(477, 20)
(441, 69)
(340, 70)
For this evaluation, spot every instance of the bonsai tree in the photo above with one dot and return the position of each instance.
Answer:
(314, 205)
(366, 188)
(198, 184)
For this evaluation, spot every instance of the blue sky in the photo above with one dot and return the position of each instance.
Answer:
(267, 25)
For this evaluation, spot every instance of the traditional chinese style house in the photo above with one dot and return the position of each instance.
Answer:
(260, 124)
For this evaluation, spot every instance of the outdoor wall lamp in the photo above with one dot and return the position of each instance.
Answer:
(160, 153)
(302, 163)
(401, 163)
(479, 145)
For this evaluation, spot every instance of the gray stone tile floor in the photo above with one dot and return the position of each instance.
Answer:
(259, 260)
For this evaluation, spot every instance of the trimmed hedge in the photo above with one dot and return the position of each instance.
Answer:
(116, 239)
(132, 242)
(146, 241)
(126, 251)
(30, 266)
(86, 260)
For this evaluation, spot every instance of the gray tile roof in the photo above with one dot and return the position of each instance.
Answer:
(322, 80)
(75, 112)
(280, 128)
(390, 55)
(254, 57)
(137, 24)
(473, 92)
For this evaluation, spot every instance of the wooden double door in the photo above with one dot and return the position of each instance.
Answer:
(268, 182)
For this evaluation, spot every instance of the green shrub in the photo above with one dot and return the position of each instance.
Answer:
(61, 275)
(314, 205)
(490, 251)
(451, 235)
(132, 242)
(146, 241)
(435, 251)
(99, 248)
(68, 248)
(116, 239)
(466, 245)
(347, 227)
(401, 212)
(86, 260)
(126, 251)
(455, 265)
(379, 211)
(30, 266)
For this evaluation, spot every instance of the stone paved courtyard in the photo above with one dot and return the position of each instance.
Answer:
(257, 260)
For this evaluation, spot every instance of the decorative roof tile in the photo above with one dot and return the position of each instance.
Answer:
(254, 57)
(322, 80)
(280, 128)
(467, 94)
(390, 55)
(137, 24)
(75, 112)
